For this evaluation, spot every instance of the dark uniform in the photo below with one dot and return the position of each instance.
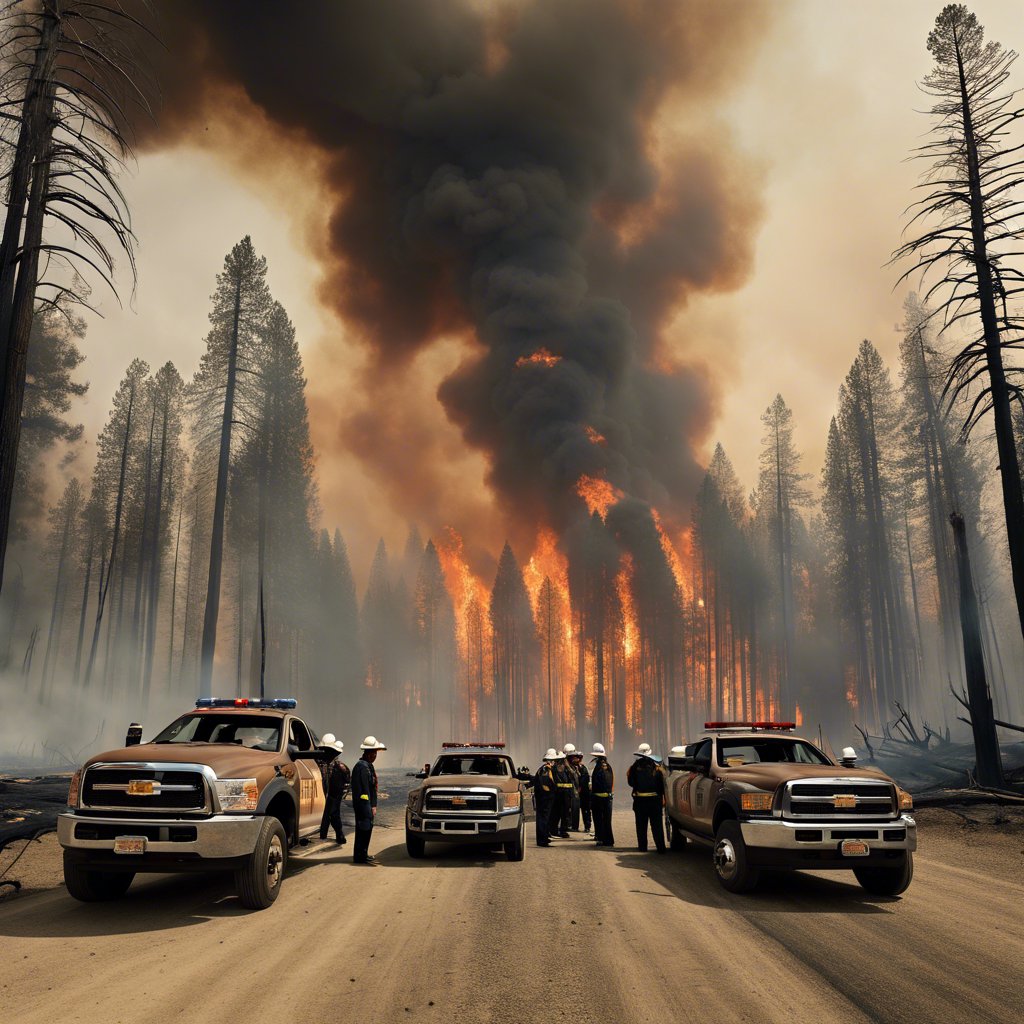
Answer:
(648, 784)
(544, 791)
(336, 779)
(583, 788)
(364, 803)
(601, 790)
(562, 809)
(573, 824)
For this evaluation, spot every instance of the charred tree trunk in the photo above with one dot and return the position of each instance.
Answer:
(112, 561)
(986, 743)
(1009, 467)
(19, 251)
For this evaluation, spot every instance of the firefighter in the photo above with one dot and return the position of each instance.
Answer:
(572, 821)
(336, 779)
(647, 780)
(562, 807)
(544, 793)
(364, 799)
(581, 788)
(601, 789)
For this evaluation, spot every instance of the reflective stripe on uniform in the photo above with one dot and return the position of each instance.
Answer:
(645, 794)
(565, 785)
(364, 796)
(600, 794)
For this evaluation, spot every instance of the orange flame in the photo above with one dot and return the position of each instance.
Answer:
(671, 555)
(596, 438)
(542, 357)
(598, 494)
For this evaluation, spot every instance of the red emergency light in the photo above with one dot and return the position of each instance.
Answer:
(750, 725)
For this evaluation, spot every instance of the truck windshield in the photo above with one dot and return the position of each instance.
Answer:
(471, 765)
(258, 732)
(733, 753)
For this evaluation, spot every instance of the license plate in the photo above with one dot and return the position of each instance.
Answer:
(854, 848)
(140, 787)
(130, 844)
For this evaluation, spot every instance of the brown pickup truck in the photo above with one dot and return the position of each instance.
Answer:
(471, 794)
(762, 797)
(231, 786)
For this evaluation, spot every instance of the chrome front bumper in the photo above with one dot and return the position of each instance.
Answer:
(437, 826)
(776, 834)
(218, 837)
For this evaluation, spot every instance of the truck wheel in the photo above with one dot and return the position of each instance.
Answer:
(676, 839)
(516, 850)
(259, 882)
(91, 886)
(731, 864)
(415, 845)
(887, 881)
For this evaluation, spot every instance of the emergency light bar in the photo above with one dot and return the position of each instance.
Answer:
(281, 703)
(471, 746)
(779, 726)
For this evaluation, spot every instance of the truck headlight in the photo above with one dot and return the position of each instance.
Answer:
(74, 787)
(237, 794)
(906, 800)
(511, 801)
(756, 801)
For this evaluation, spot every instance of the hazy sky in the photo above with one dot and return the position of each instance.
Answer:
(826, 110)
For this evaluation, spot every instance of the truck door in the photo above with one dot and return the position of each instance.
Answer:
(311, 790)
(701, 796)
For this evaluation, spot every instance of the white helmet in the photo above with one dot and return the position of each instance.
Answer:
(551, 755)
(372, 743)
(569, 748)
(598, 750)
(330, 740)
(644, 750)
(677, 751)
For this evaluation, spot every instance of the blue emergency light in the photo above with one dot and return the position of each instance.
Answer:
(280, 703)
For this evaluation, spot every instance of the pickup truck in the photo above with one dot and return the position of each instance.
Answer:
(230, 786)
(471, 794)
(762, 797)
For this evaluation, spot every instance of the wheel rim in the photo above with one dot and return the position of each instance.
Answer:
(275, 862)
(725, 859)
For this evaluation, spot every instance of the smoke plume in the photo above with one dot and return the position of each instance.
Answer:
(542, 178)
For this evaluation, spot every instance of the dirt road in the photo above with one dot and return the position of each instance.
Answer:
(573, 933)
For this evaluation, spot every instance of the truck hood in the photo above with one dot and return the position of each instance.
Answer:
(771, 776)
(228, 760)
(491, 781)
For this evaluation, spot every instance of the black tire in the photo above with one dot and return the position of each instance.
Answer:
(516, 850)
(887, 881)
(258, 884)
(730, 859)
(91, 886)
(415, 845)
(676, 839)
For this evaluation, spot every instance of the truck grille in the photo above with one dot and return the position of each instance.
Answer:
(839, 798)
(454, 801)
(108, 787)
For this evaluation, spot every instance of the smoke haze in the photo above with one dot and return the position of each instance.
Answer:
(496, 174)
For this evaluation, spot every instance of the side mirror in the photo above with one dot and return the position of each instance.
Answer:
(702, 765)
(134, 735)
(420, 775)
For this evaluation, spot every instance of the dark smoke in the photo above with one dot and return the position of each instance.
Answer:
(493, 176)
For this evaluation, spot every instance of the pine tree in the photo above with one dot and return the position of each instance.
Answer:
(435, 635)
(238, 320)
(63, 542)
(514, 645)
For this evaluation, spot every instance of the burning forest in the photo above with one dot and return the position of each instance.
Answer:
(504, 182)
